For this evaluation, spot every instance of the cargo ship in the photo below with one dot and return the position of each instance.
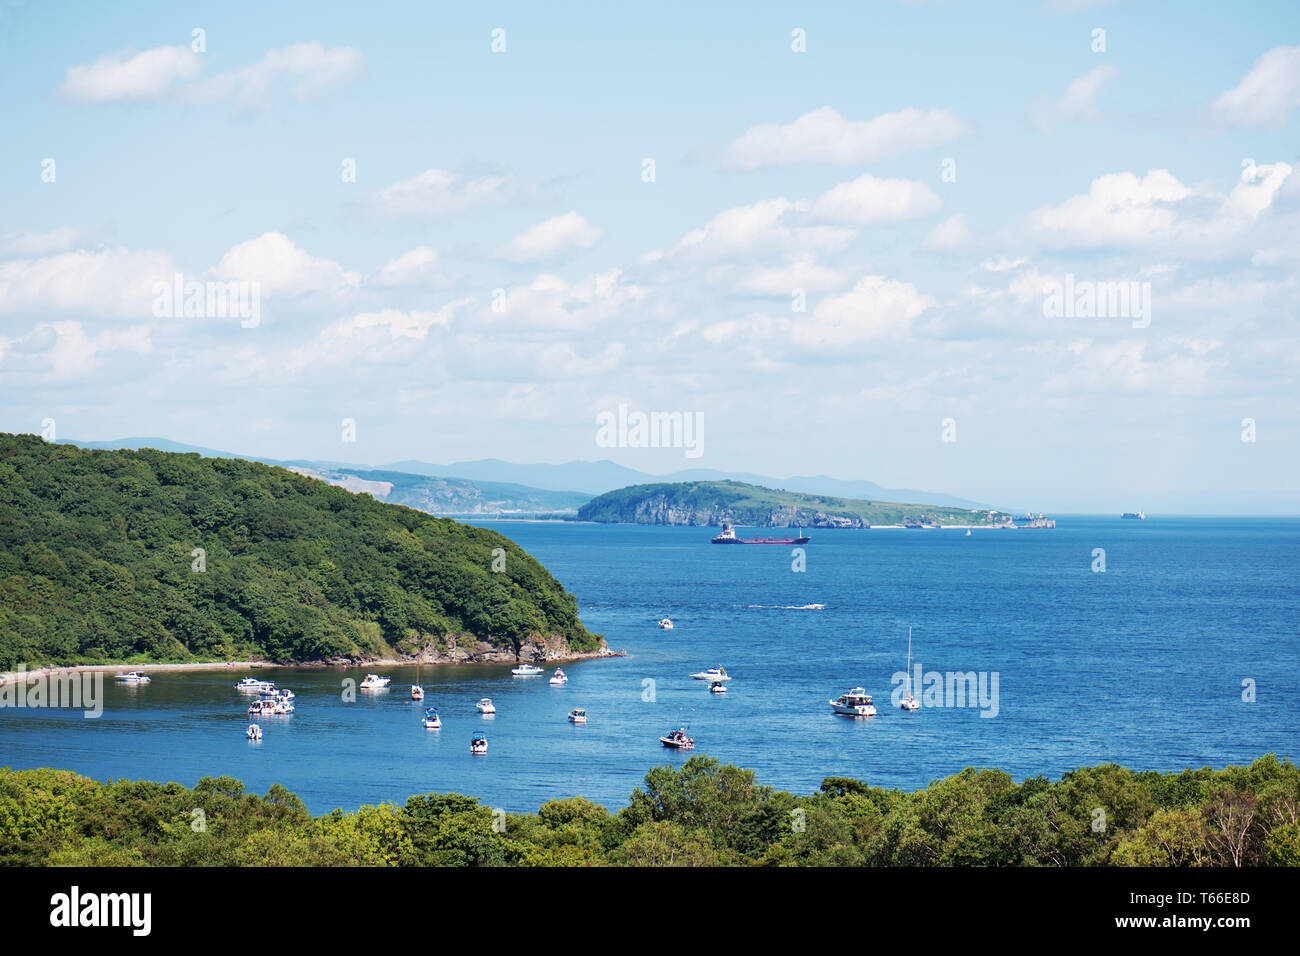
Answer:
(727, 536)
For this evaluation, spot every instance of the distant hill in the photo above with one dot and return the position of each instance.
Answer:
(97, 552)
(713, 503)
(449, 496)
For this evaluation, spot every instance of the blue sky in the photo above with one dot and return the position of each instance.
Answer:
(516, 178)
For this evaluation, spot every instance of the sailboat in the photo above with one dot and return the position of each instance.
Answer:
(909, 702)
(417, 689)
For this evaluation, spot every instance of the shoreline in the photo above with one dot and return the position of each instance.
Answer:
(9, 677)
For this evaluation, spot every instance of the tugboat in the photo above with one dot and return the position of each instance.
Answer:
(678, 740)
(478, 745)
(854, 703)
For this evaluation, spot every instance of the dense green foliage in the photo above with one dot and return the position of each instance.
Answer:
(97, 564)
(711, 503)
(702, 814)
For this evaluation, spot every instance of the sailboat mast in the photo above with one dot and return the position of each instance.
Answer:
(909, 662)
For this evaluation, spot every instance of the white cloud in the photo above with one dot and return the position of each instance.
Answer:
(40, 243)
(868, 199)
(65, 351)
(311, 70)
(952, 233)
(823, 135)
(438, 192)
(130, 76)
(557, 235)
(282, 268)
(1266, 94)
(875, 308)
(106, 282)
(551, 303)
(798, 272)
(1077, 103)
(770, 225)
(417, 267)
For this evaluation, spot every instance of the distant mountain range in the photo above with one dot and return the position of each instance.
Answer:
(576, 479)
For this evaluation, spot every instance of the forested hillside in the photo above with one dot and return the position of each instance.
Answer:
(98, 562)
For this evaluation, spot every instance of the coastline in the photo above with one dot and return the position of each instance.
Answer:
(8, 677)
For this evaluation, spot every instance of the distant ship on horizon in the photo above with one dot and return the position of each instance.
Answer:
(1134, 514)
(727, 536)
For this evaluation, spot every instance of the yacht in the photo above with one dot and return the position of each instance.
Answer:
(578, 716)
(375, 682)
(665, 624)
(717, 687)
(855, 703)
(134, 677)
(253, 685)
(909, 702)
(678, 740)
(528, 670)
(712, 674)
(431, 719)
(417, 692)
(485, 706)
(559, 677)
(254, 732)
(285, 694)
(478, 745)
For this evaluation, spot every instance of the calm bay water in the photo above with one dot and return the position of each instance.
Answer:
(1142, 665)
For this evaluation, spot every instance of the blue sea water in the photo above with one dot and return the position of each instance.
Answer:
(1147, 664)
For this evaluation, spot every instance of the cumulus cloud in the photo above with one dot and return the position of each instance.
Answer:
(274, 261)
(875, 308)
(439, 192)
(104, 282)
(868, 199)
(551, 238)
(551, 303)
(1267, 93)
(1077, 103)
(40, 243)
(825, 136)
(798, 272)
(770, 225)
(130, 76)
(415, 268)
(952, 233)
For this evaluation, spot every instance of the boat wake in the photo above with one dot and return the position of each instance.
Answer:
(789, 607)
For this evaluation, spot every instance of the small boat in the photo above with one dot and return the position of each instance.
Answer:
(417, 689)
(909, 702)
(255, 686)
(431, 719)
(968, 532)
(854, 703)
(254, 732)
(478, 745)
(712, 674)
(678, 740)
(133, 677)
(485, 706)
(717, 687)
(559, 677)
(578, 716)
(285, 694)
(375, 682)
(528, 670)
(665, 624)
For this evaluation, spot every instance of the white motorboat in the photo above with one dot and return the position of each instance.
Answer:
(854, 703)
(285, 693)
(254, 732)
(578, 716)
(909, 702)
(678, 739)
(559, 677)
(431, 719)
(133, 677)
(528, 670)
(717, 687)
(375, 682)
(485, 706)
(255, 686)
(713, 674)
(666, 624)
(478, 745)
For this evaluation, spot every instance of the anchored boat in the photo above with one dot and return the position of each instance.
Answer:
(678, 740)
(854, 703)
(727, 536)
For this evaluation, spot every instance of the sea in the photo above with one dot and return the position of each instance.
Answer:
(1162, 644)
